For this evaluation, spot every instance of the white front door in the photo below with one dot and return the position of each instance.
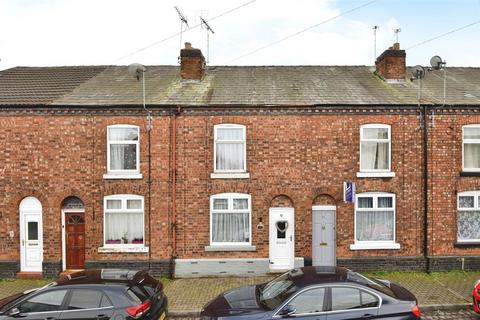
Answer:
(281, 230)
(323, 236)
(31, 235)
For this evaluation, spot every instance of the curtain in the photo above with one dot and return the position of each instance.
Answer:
(230, 227)
(468, 225)
(230, 149)
(374, 155)
(375, 225)
(123, 225)
(123, 156)
(471, 157)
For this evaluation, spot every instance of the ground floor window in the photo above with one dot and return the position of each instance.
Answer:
(375, 221)
(230, 219)
(124, 220)
(468, 219)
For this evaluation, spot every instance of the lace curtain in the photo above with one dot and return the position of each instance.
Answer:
(468, 225)
(230, 227)
(123, 156)
(120, 226)
(230, 149)
(374, 155)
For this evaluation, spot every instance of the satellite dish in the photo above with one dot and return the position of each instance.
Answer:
(418, 72)
(136, 70)
(436, 62)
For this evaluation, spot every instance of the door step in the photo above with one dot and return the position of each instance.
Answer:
(29, 275)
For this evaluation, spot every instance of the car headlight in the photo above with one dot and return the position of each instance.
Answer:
(477, 283)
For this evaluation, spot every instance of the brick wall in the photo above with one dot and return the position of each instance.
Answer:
(52, 157)
(305, 159)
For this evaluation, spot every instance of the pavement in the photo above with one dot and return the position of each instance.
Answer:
(438, 293)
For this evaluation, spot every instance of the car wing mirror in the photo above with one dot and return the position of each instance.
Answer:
(288, 310)
(14, 312)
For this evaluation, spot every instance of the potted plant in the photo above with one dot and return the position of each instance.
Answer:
(113, 241)
(137, 241)
(125, 238)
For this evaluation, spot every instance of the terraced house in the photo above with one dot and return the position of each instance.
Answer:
(238, 169)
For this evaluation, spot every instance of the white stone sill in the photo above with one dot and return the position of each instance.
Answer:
(112, 176)
(375, 174)
(230, 175)
(375, 246)
(123, 250)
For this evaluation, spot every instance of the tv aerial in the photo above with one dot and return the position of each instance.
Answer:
(375, 28)
(397, 31)
(183, 21)
(209, 29)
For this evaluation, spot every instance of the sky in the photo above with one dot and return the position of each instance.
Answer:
(246, 32)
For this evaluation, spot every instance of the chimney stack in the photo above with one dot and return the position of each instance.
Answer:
(192, 64)
(390, 65)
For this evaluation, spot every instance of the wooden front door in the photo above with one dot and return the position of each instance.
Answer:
(75, 240)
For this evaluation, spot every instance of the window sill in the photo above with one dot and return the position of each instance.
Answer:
(231, 248)
(375, 246)
(121, 249)
(467, 244)
(230, 175)
(469, 173)
(108, 176)
(375, 174)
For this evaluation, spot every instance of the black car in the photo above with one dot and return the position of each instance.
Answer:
(320, 293)
(92, 294)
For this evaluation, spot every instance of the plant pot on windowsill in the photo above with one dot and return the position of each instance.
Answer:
(113, 241)
(137, 241)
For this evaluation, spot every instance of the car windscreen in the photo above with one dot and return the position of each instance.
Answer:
(273, 293)
(7, 303)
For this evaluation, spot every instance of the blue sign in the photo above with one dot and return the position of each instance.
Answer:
(349, 191)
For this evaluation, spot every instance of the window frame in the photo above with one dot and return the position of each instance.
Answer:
(469, 141)
(123, 142)
(123, 198)
(376, 126)
(476, 207)
(230, 197)
(375, 244)
(244, 141)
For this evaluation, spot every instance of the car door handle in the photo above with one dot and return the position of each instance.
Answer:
(368, 316)
(50, 318)
(103, 317)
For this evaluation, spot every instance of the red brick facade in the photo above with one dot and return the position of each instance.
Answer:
(296, 157)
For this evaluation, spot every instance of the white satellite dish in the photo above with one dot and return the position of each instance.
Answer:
(418, 72)
(136, 70)
(436, 62)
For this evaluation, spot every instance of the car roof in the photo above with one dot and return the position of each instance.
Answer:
(321, 275)
(103, 276)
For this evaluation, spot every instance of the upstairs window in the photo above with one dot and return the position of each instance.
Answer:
(230, 148)
(123, 149)
(468, 219)
(230, 219)
(375, 145)
(471, 148)
(124, 220)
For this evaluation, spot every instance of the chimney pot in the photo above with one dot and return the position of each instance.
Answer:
(192, 64)
(390, 65)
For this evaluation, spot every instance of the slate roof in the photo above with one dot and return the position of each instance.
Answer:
(42, 85)
(230, 85)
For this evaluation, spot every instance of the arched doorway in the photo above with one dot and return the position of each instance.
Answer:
(31, 235)
(73, 234)
(281, 234)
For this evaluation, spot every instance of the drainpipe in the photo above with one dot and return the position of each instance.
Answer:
(149, 129)
(174, 191)
(425, 189)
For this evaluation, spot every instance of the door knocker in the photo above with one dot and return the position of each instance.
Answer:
(281, 225)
